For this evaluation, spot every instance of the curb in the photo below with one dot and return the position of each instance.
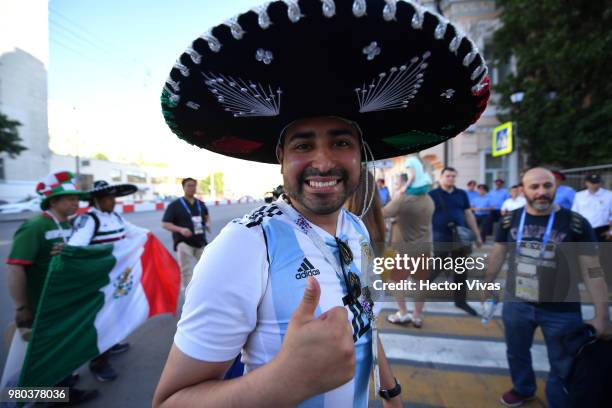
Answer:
(141, 206)
(128, 207)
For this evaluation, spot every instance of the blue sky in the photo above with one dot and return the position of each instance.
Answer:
(101, 49)
(108, 61)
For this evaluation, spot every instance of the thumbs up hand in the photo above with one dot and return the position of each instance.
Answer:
(317, 355)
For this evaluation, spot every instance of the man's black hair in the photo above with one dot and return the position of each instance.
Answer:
(486, 188)
(188, 179)
(448, 169)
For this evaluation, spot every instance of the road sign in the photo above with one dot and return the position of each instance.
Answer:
(502, 139)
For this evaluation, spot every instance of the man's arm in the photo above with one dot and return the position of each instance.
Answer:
(186, 382)
(391, 209)
(496, 261)
(168, 224)
(17, 285)
(186, 232)
(84, 228)
(595, 282)
(387, 380)
(470, 219)
(24, 315)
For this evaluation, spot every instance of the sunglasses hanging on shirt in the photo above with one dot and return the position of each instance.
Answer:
(352, 281)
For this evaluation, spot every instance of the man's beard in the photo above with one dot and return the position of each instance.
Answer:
(539, 205)
(325, 203)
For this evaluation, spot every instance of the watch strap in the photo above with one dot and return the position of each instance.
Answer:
(393, 392)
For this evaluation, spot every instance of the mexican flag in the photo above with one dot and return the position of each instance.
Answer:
(93, 298)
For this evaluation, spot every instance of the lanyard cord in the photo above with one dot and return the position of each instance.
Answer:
(57, 223)
(197, 204)
(545, 238)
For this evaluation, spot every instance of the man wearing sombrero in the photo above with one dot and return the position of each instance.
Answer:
(319, 87)
(34, 243)
(102, 225)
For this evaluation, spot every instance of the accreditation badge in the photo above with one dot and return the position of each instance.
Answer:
(367, 257)
(527, 282)
(198, 228)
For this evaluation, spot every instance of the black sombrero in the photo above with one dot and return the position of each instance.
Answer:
(405, 75)
(101, 188)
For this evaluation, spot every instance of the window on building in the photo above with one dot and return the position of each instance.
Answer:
(116, 175)
(159, 180)
(496, 168)
(137, 177)
(497, 72)
(2, 176)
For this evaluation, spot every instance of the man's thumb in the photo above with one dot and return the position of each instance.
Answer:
(310, 301)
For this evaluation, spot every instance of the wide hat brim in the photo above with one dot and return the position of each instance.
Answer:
(116, 190)
(409, 79)
(44, 204)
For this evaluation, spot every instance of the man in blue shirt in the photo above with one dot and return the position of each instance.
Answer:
(383, 192)
(481, 205)
(471, 191)
(564, 197)
(497, 196)
(452, 207)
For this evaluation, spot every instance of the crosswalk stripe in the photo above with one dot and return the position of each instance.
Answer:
(588, 311)
(455, 352)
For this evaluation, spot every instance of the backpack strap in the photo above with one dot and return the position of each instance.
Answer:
(96, 223)
(507, 219)
(577, 223)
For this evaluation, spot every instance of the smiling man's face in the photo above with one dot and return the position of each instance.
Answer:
(320, 159)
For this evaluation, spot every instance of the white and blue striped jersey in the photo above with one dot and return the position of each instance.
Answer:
(249, 281)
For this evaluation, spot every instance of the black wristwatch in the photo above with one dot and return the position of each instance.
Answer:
(393, 392)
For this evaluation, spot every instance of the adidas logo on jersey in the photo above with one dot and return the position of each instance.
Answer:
(306, 270)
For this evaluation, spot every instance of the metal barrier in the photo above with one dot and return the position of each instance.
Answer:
(575, 177)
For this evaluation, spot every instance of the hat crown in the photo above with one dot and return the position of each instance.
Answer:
(56, 183)
(100, 184)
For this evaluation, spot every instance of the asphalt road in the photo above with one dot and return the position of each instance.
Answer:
(139, 369)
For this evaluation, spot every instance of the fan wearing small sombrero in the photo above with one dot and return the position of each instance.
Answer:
(321, 87)
(102, 225)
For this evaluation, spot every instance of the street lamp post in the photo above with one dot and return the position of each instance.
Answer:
(516, 98)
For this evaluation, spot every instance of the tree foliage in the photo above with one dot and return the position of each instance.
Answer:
(219, 185)
(100, 156)
(563, 64)
(9, 137)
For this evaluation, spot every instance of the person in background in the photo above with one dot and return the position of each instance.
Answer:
(401, 182)
(101, 225)
(471, 190)
(537, 269)
(34, 244)
(498, 195)
(383, 192)
(481, 205)
(564, 197)
(452, 207)
(411, 234)
(187, 218)
(419, 181)
(595, 204)
(516, 200)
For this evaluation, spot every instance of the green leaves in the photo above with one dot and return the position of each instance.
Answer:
(563, 59)
(9, 137)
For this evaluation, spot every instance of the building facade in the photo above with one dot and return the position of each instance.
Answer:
(23, 94)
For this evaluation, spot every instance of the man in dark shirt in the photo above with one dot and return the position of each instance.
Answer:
(539, 288)
(187, 218)
(452, 207)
